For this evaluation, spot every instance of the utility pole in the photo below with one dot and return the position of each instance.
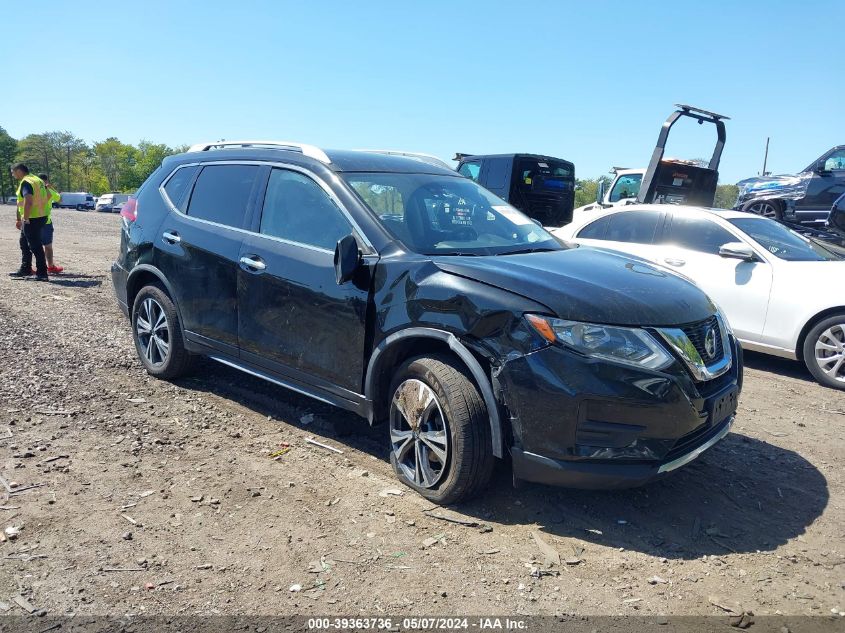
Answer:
(765, 157)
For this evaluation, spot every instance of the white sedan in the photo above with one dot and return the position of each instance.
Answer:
(782, 293)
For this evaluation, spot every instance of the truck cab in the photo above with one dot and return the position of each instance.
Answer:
(622, 190)
(542, 187)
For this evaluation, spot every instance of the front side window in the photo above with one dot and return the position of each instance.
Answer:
(626, 187)
(299, 210)
(835, 161)
(448, 215)
(697, 234)
(221, 194)
(470, 170)
(782, 242)
(636, 227)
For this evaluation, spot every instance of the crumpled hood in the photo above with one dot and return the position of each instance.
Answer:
(784, 187)
(589, 284)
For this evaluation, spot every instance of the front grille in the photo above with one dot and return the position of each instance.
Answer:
(697, 334)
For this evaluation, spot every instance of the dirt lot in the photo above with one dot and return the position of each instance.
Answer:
(162, 498)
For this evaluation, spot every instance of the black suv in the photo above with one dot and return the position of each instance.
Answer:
(542, 187)
(805, 197)
(400, 290)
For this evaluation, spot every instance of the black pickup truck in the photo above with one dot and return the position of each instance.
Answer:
(542, 187)
(804, 197)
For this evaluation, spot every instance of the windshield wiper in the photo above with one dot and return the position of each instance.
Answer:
(536, 249)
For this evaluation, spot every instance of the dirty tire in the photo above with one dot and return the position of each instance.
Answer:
(829, 332)
(469, 463)
(177, 361)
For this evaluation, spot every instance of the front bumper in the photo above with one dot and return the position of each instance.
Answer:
(582, 423)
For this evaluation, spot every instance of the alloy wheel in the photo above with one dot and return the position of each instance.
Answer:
(766, 209)
(419, 435)
(830, 352)
(153, 332)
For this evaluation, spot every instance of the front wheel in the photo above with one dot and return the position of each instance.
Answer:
(824, 351)
(158, 334)
(439, 430)
(772, 209)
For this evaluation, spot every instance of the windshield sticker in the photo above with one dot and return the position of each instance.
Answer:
(543, 165)
(512, 214)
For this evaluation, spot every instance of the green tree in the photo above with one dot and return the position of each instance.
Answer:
(726, 196)
(586, 189)
(148, 157)
(117, 161)
(8, 151)
(36, 152)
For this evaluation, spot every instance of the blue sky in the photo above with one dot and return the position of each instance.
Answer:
(588, 81)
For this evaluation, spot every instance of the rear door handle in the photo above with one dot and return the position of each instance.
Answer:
(253, 264)
(672, 261)
(171, 238)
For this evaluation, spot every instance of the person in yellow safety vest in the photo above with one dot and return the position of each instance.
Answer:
(31, 219)
(47, 233)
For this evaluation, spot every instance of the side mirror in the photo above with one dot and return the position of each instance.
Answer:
(347, 259)
(737, 250)
(821, 167)
(600, 193)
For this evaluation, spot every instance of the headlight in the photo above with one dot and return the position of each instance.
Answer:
(631, 346)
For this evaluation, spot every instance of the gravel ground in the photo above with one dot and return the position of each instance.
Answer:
(162, 498)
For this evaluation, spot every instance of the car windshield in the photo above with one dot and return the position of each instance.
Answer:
(783, 243)
(445, 215)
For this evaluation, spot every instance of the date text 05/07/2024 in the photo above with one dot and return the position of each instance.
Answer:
(417, 623)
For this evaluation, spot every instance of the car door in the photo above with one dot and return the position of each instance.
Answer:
(825, 186)
(690, 245)
(294, 318)
(632, 232)
(199, 244)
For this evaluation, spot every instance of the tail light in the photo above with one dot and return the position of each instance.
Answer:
(129, 212)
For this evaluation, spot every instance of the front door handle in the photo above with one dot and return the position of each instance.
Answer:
(253, 263)
(672, 261)
(171, 238)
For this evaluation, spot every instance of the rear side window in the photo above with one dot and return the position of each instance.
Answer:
(595, 230)
(636, 227)
(222, 193)
(177, 185)
(696, 234)
(298, 209)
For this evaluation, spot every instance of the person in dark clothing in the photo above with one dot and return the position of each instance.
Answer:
(31, 218)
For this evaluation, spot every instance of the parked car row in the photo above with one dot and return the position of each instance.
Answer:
(780, 291)
(395, 288)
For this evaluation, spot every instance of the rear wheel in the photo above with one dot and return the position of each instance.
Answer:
(158, 334)
(767, 208)
(824, 351)
(439, 431)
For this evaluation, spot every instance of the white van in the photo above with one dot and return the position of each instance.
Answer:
(80, 200)
(108, 201)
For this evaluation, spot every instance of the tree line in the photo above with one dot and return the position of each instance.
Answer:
(111, 165)
(74, 165)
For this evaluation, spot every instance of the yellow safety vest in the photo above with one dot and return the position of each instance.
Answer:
(39, 194)
(52, 196)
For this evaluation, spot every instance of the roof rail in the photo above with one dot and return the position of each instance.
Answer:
(303, 148)
(431, 159)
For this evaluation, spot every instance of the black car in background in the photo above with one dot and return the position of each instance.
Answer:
(542, 187)
(804, 197)
(414, 297)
